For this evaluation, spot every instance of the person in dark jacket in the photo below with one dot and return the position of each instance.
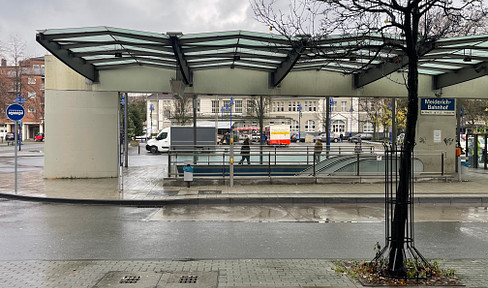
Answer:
(226, 139)
(245, 152)
(317, 150)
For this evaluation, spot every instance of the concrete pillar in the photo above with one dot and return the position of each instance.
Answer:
(436, 135)
(82, 134)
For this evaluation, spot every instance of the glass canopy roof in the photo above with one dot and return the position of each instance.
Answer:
(108, 48)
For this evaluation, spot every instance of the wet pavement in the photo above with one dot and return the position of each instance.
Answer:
(324, 213)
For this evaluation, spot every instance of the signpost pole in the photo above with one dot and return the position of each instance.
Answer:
(20, 134)
(15, 152)
(16, 112)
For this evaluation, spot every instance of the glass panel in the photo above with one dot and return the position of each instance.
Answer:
(476, 151)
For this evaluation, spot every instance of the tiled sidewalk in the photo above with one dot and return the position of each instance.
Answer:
(231, 273)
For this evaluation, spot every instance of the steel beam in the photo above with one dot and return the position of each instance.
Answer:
(383, 69)
(78, 64)
(185, 70)
(461, 75)
(380, 71)
(285, 67)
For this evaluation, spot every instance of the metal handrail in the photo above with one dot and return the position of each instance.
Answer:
(275, 158)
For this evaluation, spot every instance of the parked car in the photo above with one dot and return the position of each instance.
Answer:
(256, 138)
(294, 137)
(39, 137)
(334, 137)
(362, 136)
(309, 135)
(10, 137)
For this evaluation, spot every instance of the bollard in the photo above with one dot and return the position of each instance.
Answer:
(138, 149)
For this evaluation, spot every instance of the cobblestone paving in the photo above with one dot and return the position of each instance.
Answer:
(232, 273)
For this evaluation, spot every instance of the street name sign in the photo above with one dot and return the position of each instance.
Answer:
(437, 106)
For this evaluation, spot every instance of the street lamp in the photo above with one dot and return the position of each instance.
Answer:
(350, 121)
(231, 103)
(462, 120)
(152, 109)
(228, 108)
(331, 102)
(299, 108)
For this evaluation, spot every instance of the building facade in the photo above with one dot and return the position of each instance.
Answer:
(305, 115)
(23, 83)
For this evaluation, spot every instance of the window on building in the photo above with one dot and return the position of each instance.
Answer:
(250, 106)
(278, 107)
(215, 106)
(198, 105)
(31, 109)
(294, 125)
(31, 95)
(368, 127)
(31, 80)
(227, 106)
(338, 126)
(314, 106)
(371, 105)
(35, 66)
(289, 106)
(333, 107)
(343, 106)
(310, 126)
(16, 85)
(238, 106)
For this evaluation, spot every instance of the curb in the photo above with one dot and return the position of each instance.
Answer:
(240, 200)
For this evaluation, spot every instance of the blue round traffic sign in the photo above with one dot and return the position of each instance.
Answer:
(15, 112)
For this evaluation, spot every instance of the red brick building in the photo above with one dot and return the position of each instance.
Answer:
(27, 81)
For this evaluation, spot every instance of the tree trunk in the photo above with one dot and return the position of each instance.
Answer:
(396, 265)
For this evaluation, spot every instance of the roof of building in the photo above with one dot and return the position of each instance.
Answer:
(89, 50)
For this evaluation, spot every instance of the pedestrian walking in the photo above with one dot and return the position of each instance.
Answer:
(226, 139)
(245, 152)
(341, 138)
(317, 150)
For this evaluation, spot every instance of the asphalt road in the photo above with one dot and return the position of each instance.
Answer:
(34, 231)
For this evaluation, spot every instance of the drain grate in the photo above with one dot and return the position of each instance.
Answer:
(192, 279)
(124, 279)
(209, 191)
(188, 279)
(130, 279)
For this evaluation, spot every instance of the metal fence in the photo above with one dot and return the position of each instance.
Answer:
(222, 161)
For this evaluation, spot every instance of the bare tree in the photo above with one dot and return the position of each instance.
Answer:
(417, 24)
(5, 97)
(257, 109)
(10, 80)
(181, 110)
(377, 111)
(20, 80)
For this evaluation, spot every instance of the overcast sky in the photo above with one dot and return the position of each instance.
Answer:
(22, 18)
